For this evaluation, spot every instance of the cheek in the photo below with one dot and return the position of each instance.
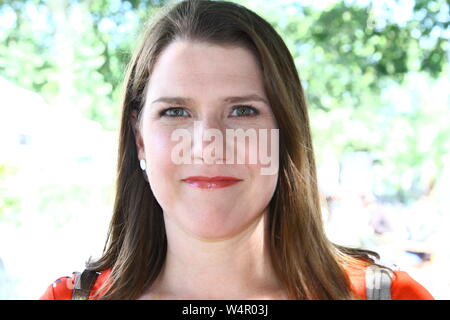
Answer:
(157, 140)
(158, 146)
(262, 186)
(261, 152)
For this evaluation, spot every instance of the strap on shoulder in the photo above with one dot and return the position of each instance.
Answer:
(378, 283)
(83, 284)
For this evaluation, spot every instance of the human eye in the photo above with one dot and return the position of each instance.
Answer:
(173, 112)
(244, 111)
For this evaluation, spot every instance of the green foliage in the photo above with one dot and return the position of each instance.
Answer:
(78, 54)
(9, 202)
(347, 56)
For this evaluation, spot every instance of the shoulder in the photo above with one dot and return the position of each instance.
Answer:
(62, 288)
(403, 286)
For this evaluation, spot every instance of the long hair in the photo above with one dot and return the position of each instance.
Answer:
(307, 263)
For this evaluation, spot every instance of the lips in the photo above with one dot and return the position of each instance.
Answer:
(211, 182)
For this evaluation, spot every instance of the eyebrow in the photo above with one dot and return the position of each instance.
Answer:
(232, 99)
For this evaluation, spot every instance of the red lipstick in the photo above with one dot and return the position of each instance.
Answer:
(211, 182)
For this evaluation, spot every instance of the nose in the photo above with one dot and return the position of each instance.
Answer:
(208, 141)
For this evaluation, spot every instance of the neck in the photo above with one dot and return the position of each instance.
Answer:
(235, 268)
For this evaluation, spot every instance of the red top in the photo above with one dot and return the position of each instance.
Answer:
(403, 287)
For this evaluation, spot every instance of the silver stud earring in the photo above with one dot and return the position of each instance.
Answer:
(143, 164)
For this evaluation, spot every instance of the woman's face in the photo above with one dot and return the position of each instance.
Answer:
(205, 75)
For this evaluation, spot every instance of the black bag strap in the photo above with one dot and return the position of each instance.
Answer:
(83, 284)
(378, 283)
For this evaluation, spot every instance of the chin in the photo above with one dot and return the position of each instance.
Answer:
(218, 229)
(214, 235)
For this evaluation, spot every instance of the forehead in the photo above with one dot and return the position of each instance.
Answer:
(188, 68)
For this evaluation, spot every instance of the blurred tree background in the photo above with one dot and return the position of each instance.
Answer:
(356, 60)
(347, 53)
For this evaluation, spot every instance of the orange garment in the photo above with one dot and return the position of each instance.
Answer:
(403, 287)
(61, 288)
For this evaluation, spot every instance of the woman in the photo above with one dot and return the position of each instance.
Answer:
(203, 67)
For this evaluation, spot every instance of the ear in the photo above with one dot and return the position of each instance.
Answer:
(137, 135)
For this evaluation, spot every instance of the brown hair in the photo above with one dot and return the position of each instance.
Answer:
(307, 263)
